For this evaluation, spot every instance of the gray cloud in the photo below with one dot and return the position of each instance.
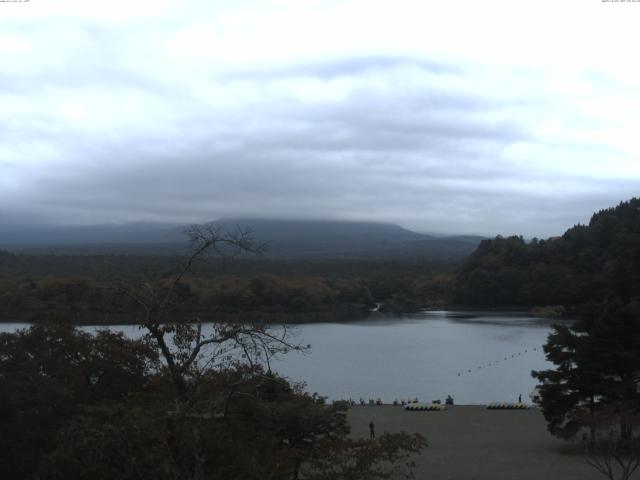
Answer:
(327, 69)
(436, 146)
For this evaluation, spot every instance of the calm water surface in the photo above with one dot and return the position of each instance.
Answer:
(476, 357)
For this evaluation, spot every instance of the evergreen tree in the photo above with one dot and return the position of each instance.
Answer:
(571, 391)
(588, 263)
(597, 365)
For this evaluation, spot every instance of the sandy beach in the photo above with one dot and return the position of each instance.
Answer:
(472, 443)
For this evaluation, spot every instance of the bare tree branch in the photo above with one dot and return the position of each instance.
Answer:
(187, 342)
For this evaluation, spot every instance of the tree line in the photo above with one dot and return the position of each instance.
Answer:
(84, 300)
(588, 263)
(243, 289)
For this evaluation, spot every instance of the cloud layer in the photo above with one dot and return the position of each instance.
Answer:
(187, 112)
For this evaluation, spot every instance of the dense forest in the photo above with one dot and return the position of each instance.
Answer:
(87, 288)
(589, 263)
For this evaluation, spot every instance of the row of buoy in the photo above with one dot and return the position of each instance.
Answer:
(479, 367)
(424, 406)
(507, 406)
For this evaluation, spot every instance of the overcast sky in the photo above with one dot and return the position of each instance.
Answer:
(479, 117)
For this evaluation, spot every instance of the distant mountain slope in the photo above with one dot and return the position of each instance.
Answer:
(588, 263)
(324, 230)
(306, 238)
(284, 238)
(135, 233)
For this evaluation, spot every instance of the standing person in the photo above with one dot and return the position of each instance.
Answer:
(520, 398)
(372, 432)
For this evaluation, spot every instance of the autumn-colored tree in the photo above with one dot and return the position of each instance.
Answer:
(47, 373)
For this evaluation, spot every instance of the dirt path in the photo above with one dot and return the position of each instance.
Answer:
(472, 443)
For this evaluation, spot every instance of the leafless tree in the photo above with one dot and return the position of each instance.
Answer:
(183, 343)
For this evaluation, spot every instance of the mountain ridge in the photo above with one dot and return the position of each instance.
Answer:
(285, 238)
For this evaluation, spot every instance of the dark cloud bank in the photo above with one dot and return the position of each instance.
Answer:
(382, 138)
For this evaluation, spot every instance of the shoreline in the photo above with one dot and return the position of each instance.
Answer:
(343, 315)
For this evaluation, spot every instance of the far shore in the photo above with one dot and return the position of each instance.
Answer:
(102, 319)
(469, 442)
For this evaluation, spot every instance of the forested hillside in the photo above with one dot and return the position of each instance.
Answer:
(85, 288)
(589, 263)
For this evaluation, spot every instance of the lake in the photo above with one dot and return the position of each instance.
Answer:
(476, 357)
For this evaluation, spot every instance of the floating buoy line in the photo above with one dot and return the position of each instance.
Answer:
(496, 362)
(414, 405)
